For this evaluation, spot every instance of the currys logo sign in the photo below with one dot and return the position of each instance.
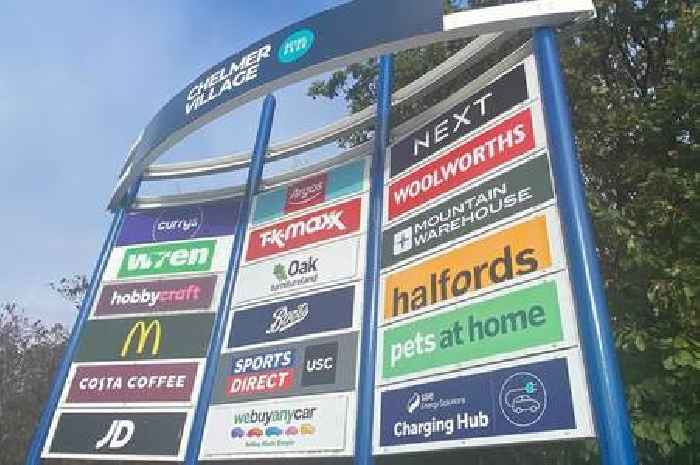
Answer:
(331, 222)
(210, 219)
(293, 317)
(533, 399)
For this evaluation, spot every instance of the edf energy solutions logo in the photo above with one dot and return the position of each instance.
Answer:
(296, 46)
(181, 257)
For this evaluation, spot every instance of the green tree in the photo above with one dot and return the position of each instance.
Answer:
(634, 77)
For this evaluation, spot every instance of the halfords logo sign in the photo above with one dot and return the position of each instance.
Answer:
(331, 222)
(500, 257)
(523, 187)
(521, 320)
(509, 139)
(156, 296)
(180, 257)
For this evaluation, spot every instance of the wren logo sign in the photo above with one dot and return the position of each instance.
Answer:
(181, 257)
(500, 257)
(331, 222)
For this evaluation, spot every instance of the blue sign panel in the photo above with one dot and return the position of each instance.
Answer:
(530, 398)
(180, 223)
(299, 316)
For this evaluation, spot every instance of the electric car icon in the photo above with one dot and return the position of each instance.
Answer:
(273, 431)
(237, 433)
(520, 401)
(292, 431)
(255, 433)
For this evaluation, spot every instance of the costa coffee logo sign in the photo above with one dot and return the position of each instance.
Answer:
(309, 192)
(328, 223)
(474, 157)
(156, 296)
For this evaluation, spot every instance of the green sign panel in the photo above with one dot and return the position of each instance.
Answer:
(146, 338)
(180, 257)
(519, 320)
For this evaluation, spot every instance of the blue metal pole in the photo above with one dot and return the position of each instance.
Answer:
(605, 384)
(34, 453)
(254, 174)
(368, 353)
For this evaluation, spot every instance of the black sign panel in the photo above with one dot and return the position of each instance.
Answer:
(119, 433)
(522, 187)
(470, 114)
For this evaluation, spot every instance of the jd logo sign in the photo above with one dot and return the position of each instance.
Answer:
(118, 435)
(126, 339)
(181, 257)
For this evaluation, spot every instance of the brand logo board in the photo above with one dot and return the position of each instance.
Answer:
(293, 317)
(469, 115)
(133, 383)
(523, 187)
(337, 182)
(181, 257)
(297, 271)
(474, 157)
(525, 399)
(301, 424)
(127, 434)
(163, 337)
(496, 258)
(519, 320)
(312, 366)
(156, 296)
(180, 223)
(328, 223)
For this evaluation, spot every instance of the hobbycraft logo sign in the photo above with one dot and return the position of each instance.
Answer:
(474, 157)
(518, 321)
(163, 382)
(156, 296)
(181, 257)
(536, 395)
(499, 257)
(307, 193)
(328, 223)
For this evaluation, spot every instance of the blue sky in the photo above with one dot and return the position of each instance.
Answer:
(78, 81)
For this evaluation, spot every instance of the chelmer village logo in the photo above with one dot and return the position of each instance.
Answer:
(331, 222)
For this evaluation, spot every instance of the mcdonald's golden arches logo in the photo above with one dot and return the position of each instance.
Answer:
(144, 332)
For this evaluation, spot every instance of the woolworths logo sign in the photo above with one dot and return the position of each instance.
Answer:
(182, 257)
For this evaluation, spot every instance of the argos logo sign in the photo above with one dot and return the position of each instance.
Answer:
(329, 223)
(306, 193)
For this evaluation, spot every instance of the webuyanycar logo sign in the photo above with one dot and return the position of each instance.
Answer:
(293, 317)
(117, 435)
(300, 424)
(489, 407)
(180, 223)
(500, 257)
(168, 258)
(513, 322)
(156, 296)
(328, 223)
(312, 366)
(474, 157)
(525, 186)
(328, 263)
(133, 383)
(340, 181)
(463, 118)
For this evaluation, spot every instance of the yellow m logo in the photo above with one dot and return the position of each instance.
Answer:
(144, 332)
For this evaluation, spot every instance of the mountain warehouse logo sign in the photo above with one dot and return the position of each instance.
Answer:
(499, 257)
(156, 296)
(480, 154)
(512, 322)
(335, 221)
(521, 188)
(180, 257)
(293, 317)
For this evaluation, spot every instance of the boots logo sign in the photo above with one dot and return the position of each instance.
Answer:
(335, 221)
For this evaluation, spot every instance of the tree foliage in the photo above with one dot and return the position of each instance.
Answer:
(634, 82)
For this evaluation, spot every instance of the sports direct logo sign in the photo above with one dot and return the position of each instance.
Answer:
(328, 223)
(156, 296)
(506, 141)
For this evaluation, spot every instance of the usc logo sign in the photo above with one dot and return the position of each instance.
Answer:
(144, 331)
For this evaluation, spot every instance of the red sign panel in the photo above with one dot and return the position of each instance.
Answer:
(474, 157)
(253, 383)
(307, 193)
(162, 382)
(331, 222)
